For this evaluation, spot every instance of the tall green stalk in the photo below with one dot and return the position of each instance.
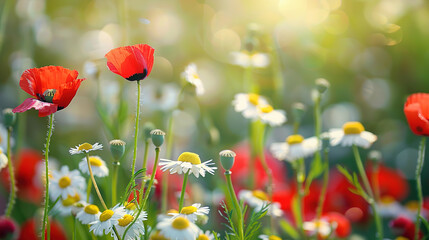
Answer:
(136, 127)
(300, 178)
(165, 174)
(182, 194)
(115, 181)
(11, 175)
(237, 207)
(46, 205)
(95, 183)
(420, 162)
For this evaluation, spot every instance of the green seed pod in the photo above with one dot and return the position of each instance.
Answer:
(322, 85)
(158, 137)
(227, 158)
(117, 148)
(9, 117)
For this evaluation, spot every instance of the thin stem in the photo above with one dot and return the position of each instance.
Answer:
(88, 190)
(324, 186)
(146, 152)
(237, 207)
(164, 193)
(11, 175)
(182, 194)
(300, 177)
(420, 162)
(114, 181)
(95, 183)
(136, 127)
(46, 207)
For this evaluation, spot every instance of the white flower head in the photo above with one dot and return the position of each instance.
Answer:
(248, 104)
(352, 133)
(188, 162)
(295, 147)
(179, 228)
(245, 59)
(135, 230)
(388, 207)
(271, 116)
(256, 199)
(3, 159)
(89, 214)
(64, 183)
(271, 237)
(98, 166)
(207, 235)
(107, 219)
(191, 76)
(85, 148)
(65, 206)
(192, 212)
(321, 227)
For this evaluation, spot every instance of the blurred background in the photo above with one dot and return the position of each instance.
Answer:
(373, 52)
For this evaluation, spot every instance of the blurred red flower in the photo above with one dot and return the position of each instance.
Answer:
(52, 86)
(343, 228)
(8, 228)
(392, 182)
(29, 231)
(403, 226)
(416, 111)
(133, 63)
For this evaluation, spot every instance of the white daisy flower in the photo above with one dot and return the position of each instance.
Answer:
(271, 237)
(295, 147)
(258, 199)
(191, 212)
(130, 207)
(65, 206)
(179, 228)
(107, 219)
(85, 148)
(78, 207)
(388, 207)
(248, 104)
(156, 235)
(353, 133)
(167, 215)
(245, 59)
(135, 230)
(188, 161)
(64, 183)
(160, 97)
(3, 159)
(207, 235)
(89, 214)
(271, 116)
(410, 210)
(322, 227)
(98, 166)
(191, 76)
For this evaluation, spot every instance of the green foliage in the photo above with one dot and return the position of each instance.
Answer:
(131, 186)
(289, 229)
(353, 179)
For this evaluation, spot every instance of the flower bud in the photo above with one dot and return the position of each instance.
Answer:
(227, 158)
(8, 228)
(117, 148)
(9, 117)
(322, 85)
(375, 156)
(298, 111)
(147, 128)
(157, 137)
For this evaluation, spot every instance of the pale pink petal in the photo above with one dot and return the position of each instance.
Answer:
(44, 108)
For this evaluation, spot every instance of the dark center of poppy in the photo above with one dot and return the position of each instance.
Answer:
(138, 76)
(48, 95)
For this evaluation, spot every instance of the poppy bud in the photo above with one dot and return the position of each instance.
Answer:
(117, 148)
(147, 128)
(322, 85)
(9, 117)
(157, 137)
(227, 158)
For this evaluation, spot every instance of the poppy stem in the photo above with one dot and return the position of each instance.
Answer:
(11, 175)
(182, 194)
(420, 162)
(136, 133)
(95, 183)
(168, 156)
(45, 225)
(114, 180)
(235, 203)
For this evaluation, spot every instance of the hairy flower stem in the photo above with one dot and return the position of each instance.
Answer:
(95, 183)
(115, 181)
(136, 128)
(420, 162)
(377, 219)
(45, 225)
(182, 194)
(11, 175)
(234, 201)
(164, 192)
(146, 152)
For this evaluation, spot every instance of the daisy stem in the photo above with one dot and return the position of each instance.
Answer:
(88, 190)
(420, 161)
(367, 186)
(95, 183)
(152, 178)
(114, 180)
(324, 187)
(45, 224)
(300, 185)
(146, 152)
(168, 156)
(136, 133)
(182, 194)
(235, 203)
(11, 176)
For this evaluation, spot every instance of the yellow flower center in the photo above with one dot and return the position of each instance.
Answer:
(172, 211)
(401, 238)
(195, 75)
(106, 215)
(266, 109)
(130, 206)
(412, 205)
(190, 158)
(85, 146)
(353, 128)
(91, 209)
(260, 195)
(294, 139)
(180, 223)
(253, 98)
(273, 237)
(203, 237)
(157, 236)
(188, 210)
(70, 200)
(387, 200)
(64, 182)
(125, 220)
(95, 161)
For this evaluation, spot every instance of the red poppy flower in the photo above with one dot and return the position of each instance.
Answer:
(133, 63)
(391, 181)
(53, 88)
(29, 231)
(343, 227)
(7, 227)
(416, 111)
(402, 226)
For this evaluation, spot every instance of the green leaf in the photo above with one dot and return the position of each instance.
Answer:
(425, 223)
(346, 173)
(295, 209)
(316, 170)
(289, 229)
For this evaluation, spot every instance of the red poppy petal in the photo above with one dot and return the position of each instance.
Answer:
(44, 108)
(147, 52)
(66, 93)
(126, 61)
(416, 110)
